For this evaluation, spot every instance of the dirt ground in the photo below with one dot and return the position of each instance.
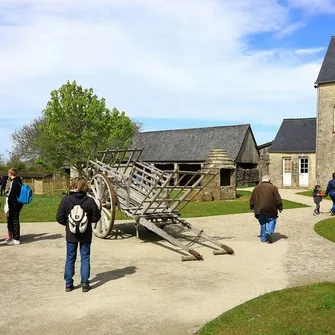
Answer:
(140, 286)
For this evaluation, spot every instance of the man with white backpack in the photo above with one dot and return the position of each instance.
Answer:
(77, 211)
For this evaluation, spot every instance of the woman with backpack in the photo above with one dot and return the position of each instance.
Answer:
(14, 208)
(77, 211)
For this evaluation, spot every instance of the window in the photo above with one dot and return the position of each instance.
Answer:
(287, 165)
(225, 175)
(303, 165)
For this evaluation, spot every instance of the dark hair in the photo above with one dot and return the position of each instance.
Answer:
(333, 175)
(317, 186)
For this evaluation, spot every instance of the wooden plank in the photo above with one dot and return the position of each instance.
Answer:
(151, 226)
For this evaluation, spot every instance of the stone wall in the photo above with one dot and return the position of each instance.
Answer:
(263, 165)
(325, 140)
(213, 191)
(276, 168)
(247, 176)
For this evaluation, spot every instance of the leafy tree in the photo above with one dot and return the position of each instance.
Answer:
(24, 140)
(76, 124)
(16, 162)
(24, 144)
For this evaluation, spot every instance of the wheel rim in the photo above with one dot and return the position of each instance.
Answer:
(103, 194)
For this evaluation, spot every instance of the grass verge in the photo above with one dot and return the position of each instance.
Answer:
(326, 229)
(43, 208)
(236, 206)
(305, 310)
(308, 193)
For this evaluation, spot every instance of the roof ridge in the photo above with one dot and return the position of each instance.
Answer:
(301, 118)
(183, 129)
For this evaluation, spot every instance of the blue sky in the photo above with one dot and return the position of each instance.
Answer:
(167, 64)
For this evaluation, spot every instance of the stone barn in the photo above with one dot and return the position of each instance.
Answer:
(292, 154)
(231, 151)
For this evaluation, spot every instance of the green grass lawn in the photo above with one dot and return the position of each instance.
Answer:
(306, 310)
(238, 205)
(308, 193)
(43, 208)
(326, 228)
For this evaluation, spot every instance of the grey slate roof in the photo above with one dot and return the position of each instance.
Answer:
(264, 145)
(189, 145)
(296, 135)
(327, 72)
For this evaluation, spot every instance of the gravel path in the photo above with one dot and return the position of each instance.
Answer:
(142, 287)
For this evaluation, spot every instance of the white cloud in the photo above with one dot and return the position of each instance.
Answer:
(155, 58)
(310, 51)
(314, 6)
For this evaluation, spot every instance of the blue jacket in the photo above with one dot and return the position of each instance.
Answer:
(331, 187)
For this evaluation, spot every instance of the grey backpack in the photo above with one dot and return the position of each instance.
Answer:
(78, 219)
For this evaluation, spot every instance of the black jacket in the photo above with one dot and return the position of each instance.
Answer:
(14, 192)
(90, 208)
(3, 182)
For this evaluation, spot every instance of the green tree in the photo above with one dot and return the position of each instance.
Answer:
(24, 140)
(75, 125)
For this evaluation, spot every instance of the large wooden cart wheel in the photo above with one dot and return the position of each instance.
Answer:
(103, 194)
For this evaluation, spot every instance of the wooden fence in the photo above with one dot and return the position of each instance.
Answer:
(47, 186)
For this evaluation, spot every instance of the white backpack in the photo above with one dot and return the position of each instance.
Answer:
(78, 219)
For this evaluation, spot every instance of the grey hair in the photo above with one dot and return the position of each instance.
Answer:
(266, 178)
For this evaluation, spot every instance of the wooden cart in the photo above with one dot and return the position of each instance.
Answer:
(152, 197)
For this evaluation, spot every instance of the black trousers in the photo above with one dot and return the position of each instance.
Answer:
(13, 221)
(2, 190)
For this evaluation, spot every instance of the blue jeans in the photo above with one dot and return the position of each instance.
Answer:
(332, 196)
(268, 225)
(71, 256)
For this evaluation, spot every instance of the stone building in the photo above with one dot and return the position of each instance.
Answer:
(193, 150)
(325, 140)
(303, 151)
(292, 154)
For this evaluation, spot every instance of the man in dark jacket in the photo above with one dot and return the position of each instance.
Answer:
(78, 196)
(265, 201)
(13, 218)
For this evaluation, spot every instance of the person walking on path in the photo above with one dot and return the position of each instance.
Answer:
(14, 208)
(265, 201)
(331, 192)
(317, 198)
(82, 237)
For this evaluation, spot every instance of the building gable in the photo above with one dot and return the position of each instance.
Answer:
(249, 152)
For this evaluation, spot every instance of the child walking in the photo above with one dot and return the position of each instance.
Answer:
(317, 197)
